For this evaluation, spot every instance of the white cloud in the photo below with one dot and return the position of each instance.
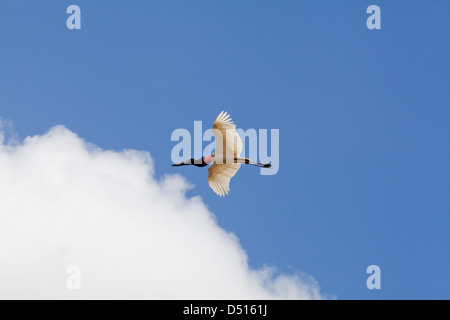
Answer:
(64, 202)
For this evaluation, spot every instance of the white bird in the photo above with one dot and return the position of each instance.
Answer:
(226, 160)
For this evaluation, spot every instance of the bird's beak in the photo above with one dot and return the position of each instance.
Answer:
(184, 163)
(179, 164)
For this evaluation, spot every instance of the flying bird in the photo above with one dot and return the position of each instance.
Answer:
(226, 159)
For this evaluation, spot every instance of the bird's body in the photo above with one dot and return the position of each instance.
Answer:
(226, 159)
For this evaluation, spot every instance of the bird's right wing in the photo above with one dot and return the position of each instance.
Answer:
(228, 141)
(219, 176)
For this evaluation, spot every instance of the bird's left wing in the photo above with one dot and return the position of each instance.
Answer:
(219, 176)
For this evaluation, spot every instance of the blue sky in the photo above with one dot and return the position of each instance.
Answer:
(363, 117)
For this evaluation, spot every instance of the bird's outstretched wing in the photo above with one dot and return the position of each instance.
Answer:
(228, 141)
(219, 176)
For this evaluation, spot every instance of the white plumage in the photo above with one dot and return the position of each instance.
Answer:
(225, 158)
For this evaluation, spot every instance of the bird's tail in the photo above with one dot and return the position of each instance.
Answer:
(253, 163)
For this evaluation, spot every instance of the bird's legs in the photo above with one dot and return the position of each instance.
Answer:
(253, 163)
